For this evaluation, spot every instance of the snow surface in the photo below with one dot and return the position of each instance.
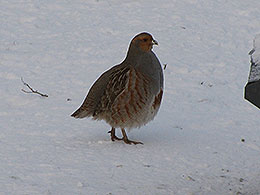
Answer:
(254, 74)
(205, 138)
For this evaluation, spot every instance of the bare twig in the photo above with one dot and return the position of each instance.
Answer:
(32, 90)
(164, 66)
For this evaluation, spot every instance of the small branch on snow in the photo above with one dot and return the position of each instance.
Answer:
(32, 90)
(164, 66)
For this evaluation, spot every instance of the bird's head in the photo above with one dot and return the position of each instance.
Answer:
(144, 41)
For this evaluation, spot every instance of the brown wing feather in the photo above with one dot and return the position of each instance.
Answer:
(99, 96)
(132, 102)
(116, 84)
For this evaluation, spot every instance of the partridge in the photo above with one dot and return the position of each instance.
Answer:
(127, 95)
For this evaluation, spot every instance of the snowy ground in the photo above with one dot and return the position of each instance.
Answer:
(194, 145)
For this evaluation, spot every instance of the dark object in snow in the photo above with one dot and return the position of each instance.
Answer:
(252, 88)
(252, 93)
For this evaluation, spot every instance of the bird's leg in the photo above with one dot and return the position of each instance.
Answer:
(113, 134)
(126, 140)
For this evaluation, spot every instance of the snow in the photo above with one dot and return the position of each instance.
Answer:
(205, 138)
(254, 74)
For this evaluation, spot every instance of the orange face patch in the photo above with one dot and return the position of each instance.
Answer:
(144, 41)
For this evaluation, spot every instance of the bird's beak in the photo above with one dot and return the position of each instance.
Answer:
(154, 42)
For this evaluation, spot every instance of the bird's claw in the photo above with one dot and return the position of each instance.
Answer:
(113, 136)
(127, 141)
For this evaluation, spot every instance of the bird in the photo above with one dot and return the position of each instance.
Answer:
(129, 94)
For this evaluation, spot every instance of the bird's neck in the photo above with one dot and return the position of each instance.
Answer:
(133, 54)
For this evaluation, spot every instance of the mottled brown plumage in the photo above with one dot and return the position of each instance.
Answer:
(129, 94)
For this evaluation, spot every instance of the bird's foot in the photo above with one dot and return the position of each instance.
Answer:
(127, 141)
(124, 138)
(113, 135)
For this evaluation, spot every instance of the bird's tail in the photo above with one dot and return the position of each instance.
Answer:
(81, 113)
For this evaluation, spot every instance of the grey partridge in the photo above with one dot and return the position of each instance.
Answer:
(127, 95)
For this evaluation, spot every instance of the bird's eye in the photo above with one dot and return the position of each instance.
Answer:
(145, 39)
